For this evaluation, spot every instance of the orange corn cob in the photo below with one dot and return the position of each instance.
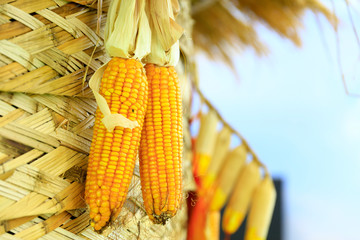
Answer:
(112, 154)
(161, 145)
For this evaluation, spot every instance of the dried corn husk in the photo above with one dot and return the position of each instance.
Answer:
(205, 142)
(240, 199)
(261, 210)
(221, 149)
(165, 33)
(110, 120)
(226, 179)
(127, 31)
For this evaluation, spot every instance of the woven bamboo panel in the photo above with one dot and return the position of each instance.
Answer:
(47, 115)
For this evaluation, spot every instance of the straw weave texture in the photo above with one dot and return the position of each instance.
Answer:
(47, 115)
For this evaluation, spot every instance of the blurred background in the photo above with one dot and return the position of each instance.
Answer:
(301, 118)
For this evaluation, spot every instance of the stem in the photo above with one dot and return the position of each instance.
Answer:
(338, 56)
(352, 22)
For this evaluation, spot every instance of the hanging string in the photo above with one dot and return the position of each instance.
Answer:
(195, 85)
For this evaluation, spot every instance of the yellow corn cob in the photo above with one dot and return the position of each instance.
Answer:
(238, 205)
(161, 145)
(227, 176)
(205, 142)
(261, 210)
(112, 154)
(221, 148)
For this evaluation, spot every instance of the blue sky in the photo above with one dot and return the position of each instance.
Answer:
(292, 108)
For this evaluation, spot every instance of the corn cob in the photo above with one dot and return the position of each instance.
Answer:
(226, 179)
(205, 143)
(112, 154)
(218, 156)
(161, 145)
(238, 205)
(261, 210)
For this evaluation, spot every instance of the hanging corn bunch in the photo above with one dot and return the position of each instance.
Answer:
(261, 210)
(226, 176)
(162, 135)
(121, 91)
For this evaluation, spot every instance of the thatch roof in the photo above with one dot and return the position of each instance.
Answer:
(224, 26)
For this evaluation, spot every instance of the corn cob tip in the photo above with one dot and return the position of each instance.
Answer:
(162, 218)
(232, 220)
(97, 226)
(218, 200)
(251, 234)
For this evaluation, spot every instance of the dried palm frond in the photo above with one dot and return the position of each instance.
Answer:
(219, 30)
(283, 16)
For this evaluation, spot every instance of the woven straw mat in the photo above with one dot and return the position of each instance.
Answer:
(46, 121)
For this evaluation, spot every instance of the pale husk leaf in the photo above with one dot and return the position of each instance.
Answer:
(218, 156)
(144, 35)
(221, 148)
(175, 7)
(206, 138)
(127, 32)
(247, 181)
(165, 33)
(110, 120)
(228, 174)
(261, 210)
